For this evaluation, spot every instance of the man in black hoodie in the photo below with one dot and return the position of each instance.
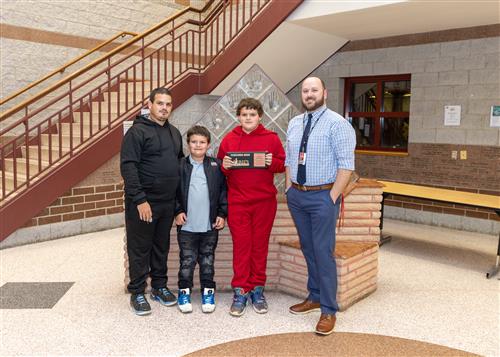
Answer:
(149, 164)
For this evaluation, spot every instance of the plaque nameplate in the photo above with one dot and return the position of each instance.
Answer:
(248, 159)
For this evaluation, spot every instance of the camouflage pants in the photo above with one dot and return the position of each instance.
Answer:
(197, 248)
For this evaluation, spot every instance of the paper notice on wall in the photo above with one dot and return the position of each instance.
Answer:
(495, 116)
(127, 125)
(452, 115)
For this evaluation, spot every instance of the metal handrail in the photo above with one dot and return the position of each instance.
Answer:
(100, 60)
(63, 67)
(173, 51)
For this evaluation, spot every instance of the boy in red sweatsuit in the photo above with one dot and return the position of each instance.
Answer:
(252, 203)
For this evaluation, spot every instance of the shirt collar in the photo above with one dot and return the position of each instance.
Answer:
(315, 113)
(194, 162)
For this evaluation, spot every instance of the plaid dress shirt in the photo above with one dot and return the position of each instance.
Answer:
(330, 146)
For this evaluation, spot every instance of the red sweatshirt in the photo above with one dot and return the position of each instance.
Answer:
(250, 185)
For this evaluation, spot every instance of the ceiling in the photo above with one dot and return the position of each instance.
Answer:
(373, 19)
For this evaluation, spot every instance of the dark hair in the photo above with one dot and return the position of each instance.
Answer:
(250, 103)
(198, 130)
(159, 90)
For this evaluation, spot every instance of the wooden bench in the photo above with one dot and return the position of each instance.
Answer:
(445, 195)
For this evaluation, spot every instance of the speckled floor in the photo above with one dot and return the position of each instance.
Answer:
(432, 288)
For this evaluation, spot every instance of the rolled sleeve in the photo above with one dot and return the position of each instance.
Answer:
(344, 144)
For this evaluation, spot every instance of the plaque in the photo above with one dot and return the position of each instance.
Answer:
(248, 159)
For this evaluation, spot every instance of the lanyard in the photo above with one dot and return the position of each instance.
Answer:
(305, 136)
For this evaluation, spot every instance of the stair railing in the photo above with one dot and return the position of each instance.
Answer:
(111, 89)
(63, 68)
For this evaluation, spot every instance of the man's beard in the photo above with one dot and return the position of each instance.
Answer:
(316, 105)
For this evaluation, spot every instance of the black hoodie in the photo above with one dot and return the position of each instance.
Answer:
(149, 161)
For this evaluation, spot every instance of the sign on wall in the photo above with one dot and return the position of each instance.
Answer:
(495, 116)
(452, 115)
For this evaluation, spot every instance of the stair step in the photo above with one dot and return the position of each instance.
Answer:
(44, 151)
(106, 109)
(85, 117)
(120, 97)
(75, 127)
(65, 139)
(9, 179)
(21, 165)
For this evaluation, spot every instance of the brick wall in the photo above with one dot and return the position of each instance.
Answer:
(441, 207)
(82, 202)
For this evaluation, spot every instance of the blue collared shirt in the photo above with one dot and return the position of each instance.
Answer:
(330, 146)
(198, 205)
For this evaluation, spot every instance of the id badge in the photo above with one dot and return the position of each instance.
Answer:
(302, 158)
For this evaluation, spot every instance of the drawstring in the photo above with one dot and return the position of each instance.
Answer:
(239, 142)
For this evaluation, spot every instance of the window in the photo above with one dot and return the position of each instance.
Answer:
(378, 108)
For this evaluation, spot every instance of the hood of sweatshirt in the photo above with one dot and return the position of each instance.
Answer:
(146, 120)
(260, 134)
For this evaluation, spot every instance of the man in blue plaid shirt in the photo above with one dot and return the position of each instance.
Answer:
(319, 162)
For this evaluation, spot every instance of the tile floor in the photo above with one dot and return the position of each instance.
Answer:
(431, 288)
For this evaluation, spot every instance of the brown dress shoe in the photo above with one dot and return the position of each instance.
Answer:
(304, 307)
(325, 324)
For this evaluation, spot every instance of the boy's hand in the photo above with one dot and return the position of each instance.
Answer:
(145, 213)
(269, 159)
(180, 219)
(219, 223)
(227, 162)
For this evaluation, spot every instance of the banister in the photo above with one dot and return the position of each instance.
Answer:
(67, 144)
(101, 59)
(31, 138)
(63, 67)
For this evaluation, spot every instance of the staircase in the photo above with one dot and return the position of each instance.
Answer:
(53, 140)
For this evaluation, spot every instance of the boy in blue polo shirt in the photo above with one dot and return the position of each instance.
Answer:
(201, 210)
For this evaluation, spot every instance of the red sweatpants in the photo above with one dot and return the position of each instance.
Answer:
(250, 226)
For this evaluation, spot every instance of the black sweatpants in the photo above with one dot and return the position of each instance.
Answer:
(197, 248)
(148, 245)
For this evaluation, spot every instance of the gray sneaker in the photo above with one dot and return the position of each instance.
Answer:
(259, 302)
(139, 304)
(239, 303)
(163, 296)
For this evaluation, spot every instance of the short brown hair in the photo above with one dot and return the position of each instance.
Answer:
(198, 130)
(159, 90)
(250, 103)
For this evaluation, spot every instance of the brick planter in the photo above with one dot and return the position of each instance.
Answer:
(357, 266)
(357, 258)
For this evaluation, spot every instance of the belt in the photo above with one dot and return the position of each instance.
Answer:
(328, 186)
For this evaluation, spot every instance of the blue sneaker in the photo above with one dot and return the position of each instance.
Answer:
(140, 305)
(163, 296)
(239, 302)
(259, 302)
(184, 301)
(208, 300)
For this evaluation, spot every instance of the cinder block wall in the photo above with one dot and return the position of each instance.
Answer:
(447, 68)
(39, 36)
